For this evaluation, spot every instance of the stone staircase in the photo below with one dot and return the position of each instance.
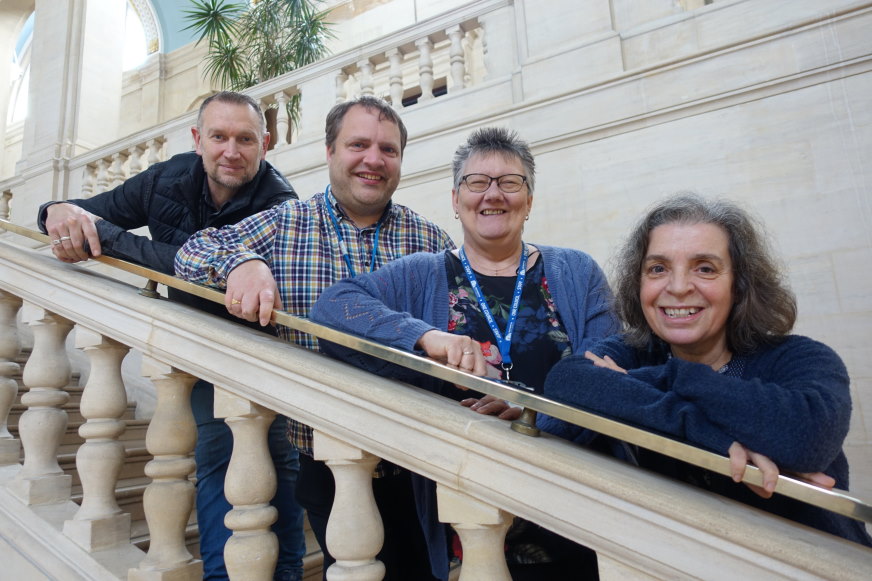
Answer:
(132, 480)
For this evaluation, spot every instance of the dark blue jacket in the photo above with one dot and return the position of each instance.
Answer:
(170, 199)
(790, 401)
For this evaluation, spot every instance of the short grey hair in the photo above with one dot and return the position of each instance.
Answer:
(489, 140)
(233, 98)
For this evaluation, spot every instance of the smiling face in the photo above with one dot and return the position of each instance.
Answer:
(492, 218)
(687, 290)
(364, 164)
(231, 142)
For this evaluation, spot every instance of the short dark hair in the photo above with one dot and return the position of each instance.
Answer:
(495, 140)
(235, 99)
(370, 103)
(764, 308)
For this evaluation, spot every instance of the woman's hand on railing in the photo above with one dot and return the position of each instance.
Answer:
(252, 293)
(740, 456)
(490, 405)
(455, 350)
(69, 228)
(606, 362)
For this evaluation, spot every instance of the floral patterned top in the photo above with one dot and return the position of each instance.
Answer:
(540, 339)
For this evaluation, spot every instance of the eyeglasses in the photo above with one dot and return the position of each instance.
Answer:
(479, 182)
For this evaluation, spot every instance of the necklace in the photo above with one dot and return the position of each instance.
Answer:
(511, 266)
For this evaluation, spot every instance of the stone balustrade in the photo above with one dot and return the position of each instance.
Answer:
(111, 170)
(640, 525)
(419, 70)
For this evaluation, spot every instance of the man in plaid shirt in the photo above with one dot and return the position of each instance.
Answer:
(285, 256)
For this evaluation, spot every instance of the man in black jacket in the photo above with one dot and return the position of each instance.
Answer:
(225, 180)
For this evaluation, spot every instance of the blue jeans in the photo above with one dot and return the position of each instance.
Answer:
(214, 445)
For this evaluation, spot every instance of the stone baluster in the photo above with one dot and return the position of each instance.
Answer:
(341, 92)
(116, 170)
(282, 118)
(365, 76)
(43, 424)
(89, 177)
(456, 57)
(10, 347)
(395, 58)
(135, 154)
(425, 68)
(102, 179)
(99, 522)
(482, 530)
(169, 498)
(152, 155)
(252, 550)
(5, 204)
(354, 532)
(498, 48)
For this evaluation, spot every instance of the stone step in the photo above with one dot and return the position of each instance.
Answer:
(74, 413)
(136, 430)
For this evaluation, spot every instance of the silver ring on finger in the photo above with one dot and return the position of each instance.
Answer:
(62, 238)
(467, 352)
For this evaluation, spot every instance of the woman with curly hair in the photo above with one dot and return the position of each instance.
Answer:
(706, 356)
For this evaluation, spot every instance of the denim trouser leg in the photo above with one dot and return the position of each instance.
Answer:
(214, 446)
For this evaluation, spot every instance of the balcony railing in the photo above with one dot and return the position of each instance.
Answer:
(640, 524)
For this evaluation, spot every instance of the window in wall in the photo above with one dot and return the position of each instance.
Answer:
(135, 47)
(141, 39)
(20, 74)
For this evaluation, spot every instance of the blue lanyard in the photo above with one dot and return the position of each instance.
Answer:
(343, 249)
(504, 342)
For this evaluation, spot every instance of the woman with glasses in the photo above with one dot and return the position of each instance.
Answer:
(499, 306)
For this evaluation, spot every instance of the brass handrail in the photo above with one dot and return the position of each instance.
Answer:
(835, 500)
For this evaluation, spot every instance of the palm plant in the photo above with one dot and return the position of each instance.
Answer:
(251, 43)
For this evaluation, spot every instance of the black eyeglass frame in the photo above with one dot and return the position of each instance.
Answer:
(491, 180)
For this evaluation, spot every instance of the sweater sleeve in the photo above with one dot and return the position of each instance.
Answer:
(624, 397)
(386, 305)
(582, 295)
(792, 404)
(796, 409)
(210, 255)
(125, 245)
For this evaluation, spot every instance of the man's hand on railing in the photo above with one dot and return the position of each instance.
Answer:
(252, 293)
(69, 227)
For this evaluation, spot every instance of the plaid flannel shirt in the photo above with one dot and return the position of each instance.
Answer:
(298, 241)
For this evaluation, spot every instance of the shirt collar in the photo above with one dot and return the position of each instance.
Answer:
(389, 212)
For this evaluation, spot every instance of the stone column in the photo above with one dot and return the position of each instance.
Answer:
(365, 77)
(354, 532)
(10, 347)
(169, 499)
(282, 119)
(43, 424)
(498, 40)
(73, 101)
(99, 522)
(395, 57)
(252, 550)
(425, 68)
(5, 204)
(456, 57)
(482, 530)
